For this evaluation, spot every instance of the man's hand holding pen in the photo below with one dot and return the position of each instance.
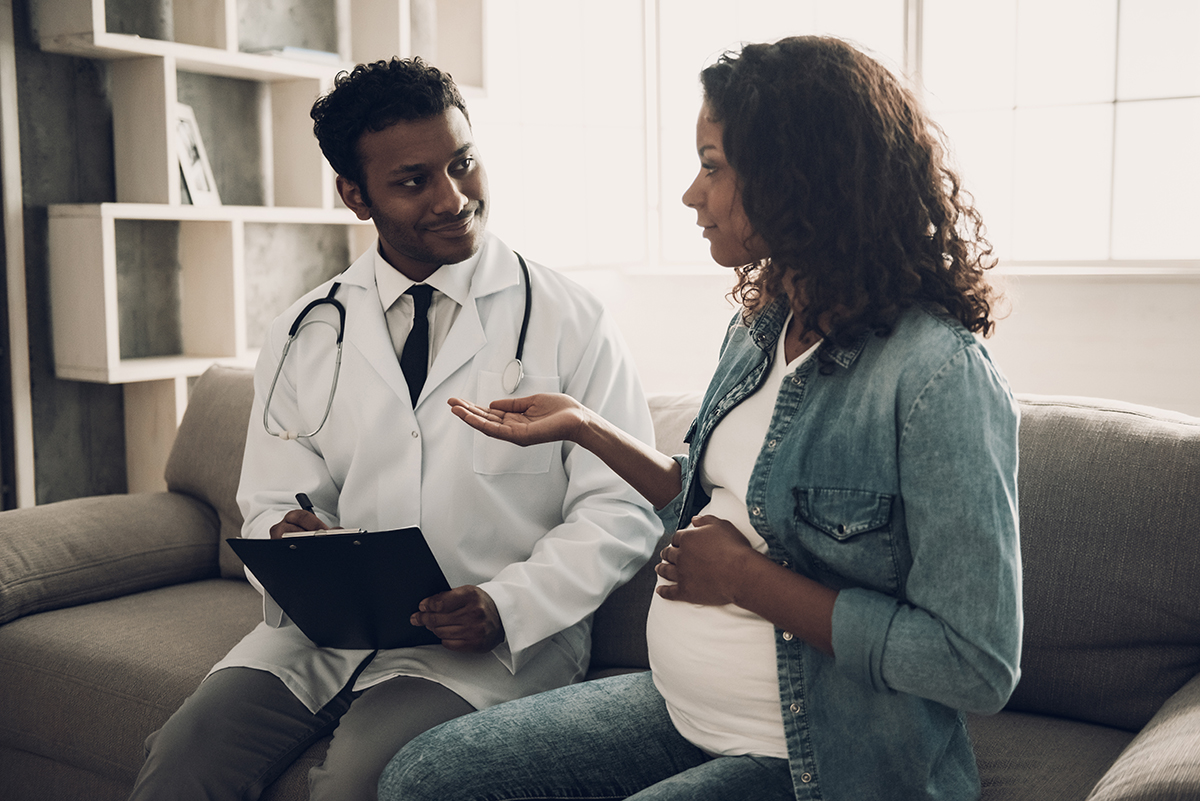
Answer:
(302, 519)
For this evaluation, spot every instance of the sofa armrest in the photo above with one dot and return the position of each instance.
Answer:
(89, 549)
(1163, 762)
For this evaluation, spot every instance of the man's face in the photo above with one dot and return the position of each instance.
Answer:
(427, 189)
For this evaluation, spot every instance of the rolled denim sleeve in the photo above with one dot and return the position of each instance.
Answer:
(954, 634)
(671, 513)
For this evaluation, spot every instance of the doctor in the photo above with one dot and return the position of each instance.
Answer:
(531, 540)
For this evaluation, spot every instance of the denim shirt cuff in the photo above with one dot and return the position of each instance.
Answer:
(861, 619)
(669, 514)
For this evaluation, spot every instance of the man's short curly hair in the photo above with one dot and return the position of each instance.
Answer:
(847, 181)
(372, 97)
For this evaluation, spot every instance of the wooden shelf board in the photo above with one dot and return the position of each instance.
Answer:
(161, 211)
(157, 368)
(192, 58)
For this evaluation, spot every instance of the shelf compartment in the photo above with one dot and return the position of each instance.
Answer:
(208, 266)
(258, 135)
(205, 36)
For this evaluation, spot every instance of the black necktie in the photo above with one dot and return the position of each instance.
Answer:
(414, 359)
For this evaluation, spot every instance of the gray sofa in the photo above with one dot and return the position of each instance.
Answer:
(113, 609)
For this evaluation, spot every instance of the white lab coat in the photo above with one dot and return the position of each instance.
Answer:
(547, 531)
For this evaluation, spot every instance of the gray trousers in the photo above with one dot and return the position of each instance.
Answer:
(242, 728)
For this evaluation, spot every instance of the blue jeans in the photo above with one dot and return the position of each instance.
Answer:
(605, 739)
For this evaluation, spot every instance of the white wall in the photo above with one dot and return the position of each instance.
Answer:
(1124, 338)
(1127, 338)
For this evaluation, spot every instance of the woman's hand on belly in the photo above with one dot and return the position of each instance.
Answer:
(711, 562)
(706, 561)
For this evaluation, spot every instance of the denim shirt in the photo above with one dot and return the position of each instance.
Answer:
(892, 479)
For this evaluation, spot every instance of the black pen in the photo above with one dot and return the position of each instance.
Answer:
(304, 502)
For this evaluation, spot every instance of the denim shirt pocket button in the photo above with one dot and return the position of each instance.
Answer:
(841, 528)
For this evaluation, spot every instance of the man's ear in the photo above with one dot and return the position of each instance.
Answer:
(352, 196)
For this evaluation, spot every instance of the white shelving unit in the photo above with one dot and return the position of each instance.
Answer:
(86, 306)
(85, 298)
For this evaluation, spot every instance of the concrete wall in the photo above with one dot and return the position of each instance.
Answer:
(66, 157)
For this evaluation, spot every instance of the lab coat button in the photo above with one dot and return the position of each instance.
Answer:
(416, 434)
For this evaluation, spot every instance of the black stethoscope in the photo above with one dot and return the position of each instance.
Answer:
(510, 379)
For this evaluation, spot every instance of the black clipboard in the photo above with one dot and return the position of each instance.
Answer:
(353, 590)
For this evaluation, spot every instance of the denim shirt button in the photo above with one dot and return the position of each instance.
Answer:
(806, 777)
(772, 443)
(788, 636)
(841, 528)
(795, 709)
(756, 511)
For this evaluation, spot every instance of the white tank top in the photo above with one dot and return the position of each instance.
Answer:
(716, 666)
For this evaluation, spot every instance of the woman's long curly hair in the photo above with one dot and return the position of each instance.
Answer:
(846, 180)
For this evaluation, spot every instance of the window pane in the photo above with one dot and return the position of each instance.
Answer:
(876, 25)
(1160, 49)
(692, 34)
(1066, 51)
(969, 53)
(981, 143)
(1063, 176)
(613, 205)
(1156, 188)
(551, 60)
(554, 216)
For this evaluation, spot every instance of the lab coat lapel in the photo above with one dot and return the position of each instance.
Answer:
(366, 328)
(497, 270)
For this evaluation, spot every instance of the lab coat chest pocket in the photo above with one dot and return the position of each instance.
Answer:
(494, 457)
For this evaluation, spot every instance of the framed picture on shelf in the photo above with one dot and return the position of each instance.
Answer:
(193, 160)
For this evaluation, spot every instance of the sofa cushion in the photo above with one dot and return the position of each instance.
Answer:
(1024, 757)
(88, 549)
(619, 626)
(89, 701)
(1163, 761)
(1110, 539)
(206, 460)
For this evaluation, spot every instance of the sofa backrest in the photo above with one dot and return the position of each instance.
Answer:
(1110, 537)
(206, 460)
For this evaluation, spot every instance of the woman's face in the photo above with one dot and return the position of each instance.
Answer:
(717, 198)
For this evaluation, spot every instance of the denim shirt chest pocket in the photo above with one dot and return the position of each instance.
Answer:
(850, 537)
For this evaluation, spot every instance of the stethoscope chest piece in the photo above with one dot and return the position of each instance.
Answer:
(510, 379)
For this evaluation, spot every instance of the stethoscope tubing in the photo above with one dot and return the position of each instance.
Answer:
(514, 372)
